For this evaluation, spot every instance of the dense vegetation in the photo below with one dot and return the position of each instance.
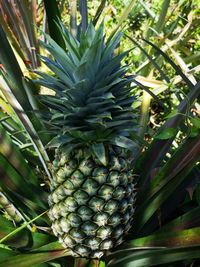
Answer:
(141, 122)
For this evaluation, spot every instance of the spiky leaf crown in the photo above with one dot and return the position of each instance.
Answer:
(92, 101)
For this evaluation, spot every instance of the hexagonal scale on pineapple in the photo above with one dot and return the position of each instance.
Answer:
(81, 197)
(74, 219)
(100, 175)
(111, 206)
(118, 231)
(85, 213)
(89, 228)
(70, 167)
(96, 254)
(58, 194)
(123, 178)
(115, 219)
(86, 167)
(68, 241)
(104, 232)
(129, 190)
(131, 200)
(68, 185)
(93, 242)
(77, 178)
(123, 205)
(56, 228)
(105, 192)
(70, 204)
(96, 204)
(130, 176)
(106, 244)
(60, 176)
(119, 193)
(90, 186)
(55, 211)
(65, 225)
(63, 211)
(101, 218)
(64, 160)
(82, 250)
(77, 235)
(113, 178)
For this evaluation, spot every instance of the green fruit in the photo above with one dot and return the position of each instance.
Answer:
(92, 189)
(97, 215)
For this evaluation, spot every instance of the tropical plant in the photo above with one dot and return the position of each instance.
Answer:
(44, 137)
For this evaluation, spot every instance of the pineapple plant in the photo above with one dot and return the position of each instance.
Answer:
(88, 156)
(92, 188)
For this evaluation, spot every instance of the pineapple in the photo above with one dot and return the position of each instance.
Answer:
(92, 190)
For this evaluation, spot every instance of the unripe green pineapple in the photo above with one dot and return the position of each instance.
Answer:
(92, 204)
(92, 190)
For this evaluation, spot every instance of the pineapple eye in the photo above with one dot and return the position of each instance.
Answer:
(105, 192)
(86, 167)
(74, 219)
(104, 232)
(93, 242)
(68, 241)
(101, 218)
(82, 250)
(123, 205)
(65, 225)
(85, 213)
(119, 193)
(90, 186)
(89, 228)
(111, 206)
(77, 235)
(96, 204)
(81, 197)
(115, 219)
(118, 231)
(70, 204)
(113, 178)
(106, 244)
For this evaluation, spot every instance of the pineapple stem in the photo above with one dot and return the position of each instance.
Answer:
(146, 100)
(80, 262)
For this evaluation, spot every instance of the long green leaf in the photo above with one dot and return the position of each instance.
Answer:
(99, 12)
(30, 259)
(53, 17)
(15, 94)
(169, 239)
(13, 155)
(158, 148)
(155, 257)
(28, 17)
(14, 74)
(167, 180)
(17, 230)
(24, 239)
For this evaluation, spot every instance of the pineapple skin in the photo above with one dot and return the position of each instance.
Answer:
(91, 205)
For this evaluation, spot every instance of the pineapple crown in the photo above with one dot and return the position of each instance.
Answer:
(92, 101)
